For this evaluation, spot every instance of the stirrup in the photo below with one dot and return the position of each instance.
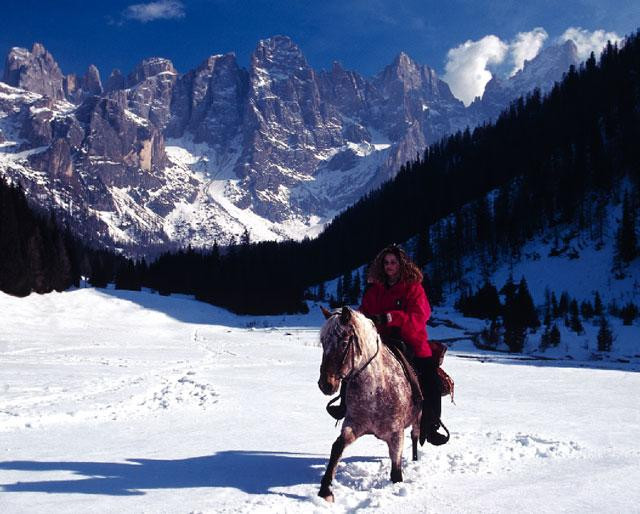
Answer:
(436, 438)
(433, 436)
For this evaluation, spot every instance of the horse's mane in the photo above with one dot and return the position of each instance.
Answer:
(363, 327)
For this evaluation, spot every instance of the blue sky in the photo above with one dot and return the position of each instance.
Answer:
(364, 35)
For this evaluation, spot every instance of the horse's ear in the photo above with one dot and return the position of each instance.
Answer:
(327, 314)
(345, 315)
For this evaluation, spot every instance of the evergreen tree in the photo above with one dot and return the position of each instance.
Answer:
(629, 313)
(576, 324)
(424, 253)
(626, 239)
(586, 309)
(356, 289)
(547, 307)
(525, 310)
(322, 292)
(346, 287)
(339, 292)
(491, 336)
(597, 305)
(555, 308)
(554, 336)
(563, 305)
(605, 336)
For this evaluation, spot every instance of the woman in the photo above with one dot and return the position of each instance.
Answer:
(396, 302)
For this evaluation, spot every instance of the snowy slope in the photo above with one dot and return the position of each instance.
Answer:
(183, 407)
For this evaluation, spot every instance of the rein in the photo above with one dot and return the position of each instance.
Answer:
(351, 374)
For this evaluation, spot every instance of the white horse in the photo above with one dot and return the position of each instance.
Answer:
(379, 396)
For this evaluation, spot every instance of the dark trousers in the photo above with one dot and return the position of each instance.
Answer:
(427, 371)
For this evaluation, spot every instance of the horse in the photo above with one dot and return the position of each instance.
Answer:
(378, 396)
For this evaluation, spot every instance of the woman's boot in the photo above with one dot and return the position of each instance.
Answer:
(427, 368)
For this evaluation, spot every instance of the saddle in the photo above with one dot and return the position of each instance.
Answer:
(409, 372)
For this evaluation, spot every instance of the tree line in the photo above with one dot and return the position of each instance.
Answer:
(546, 162)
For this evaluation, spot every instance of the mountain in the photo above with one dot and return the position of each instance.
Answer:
(277, 150)
(542, 73)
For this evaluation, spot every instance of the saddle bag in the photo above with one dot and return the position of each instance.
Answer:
(438, 350)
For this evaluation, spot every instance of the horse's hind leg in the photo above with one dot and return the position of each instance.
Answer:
(395, 453)
(345, 439)
(415, 436)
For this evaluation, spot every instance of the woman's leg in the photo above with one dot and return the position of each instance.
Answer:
(427, 368)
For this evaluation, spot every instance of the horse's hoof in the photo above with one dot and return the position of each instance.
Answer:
(396, 476)
(326, 494)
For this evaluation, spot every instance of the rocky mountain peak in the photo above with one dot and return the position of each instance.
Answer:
(404, 74)
(278, 54)
(35, 71)
(540, 72)
(92, 82)
(77, 89)
(150, 68)
(115, 81)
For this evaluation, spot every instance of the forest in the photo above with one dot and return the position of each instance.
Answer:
(548, 160)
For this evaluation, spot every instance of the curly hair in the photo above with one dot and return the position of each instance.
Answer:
(409, 272)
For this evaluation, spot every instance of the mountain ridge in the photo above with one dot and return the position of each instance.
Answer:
(289, 144)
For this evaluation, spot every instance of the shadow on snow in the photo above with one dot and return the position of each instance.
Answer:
(249, 471)
(189, 310)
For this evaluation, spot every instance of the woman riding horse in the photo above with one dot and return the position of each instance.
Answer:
(396, 302)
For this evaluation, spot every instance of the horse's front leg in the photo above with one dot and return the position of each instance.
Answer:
(344, 439)
(395, 453)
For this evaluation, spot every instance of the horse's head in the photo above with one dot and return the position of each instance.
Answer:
(341, 347)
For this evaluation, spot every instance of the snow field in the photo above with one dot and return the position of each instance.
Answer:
(140, 403)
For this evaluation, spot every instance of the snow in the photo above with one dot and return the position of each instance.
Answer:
(134, 402)
(218, 184)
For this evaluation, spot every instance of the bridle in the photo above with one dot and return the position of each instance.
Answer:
(350, 349)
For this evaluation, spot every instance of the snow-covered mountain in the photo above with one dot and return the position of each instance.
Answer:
(541, 72)
(277, 149)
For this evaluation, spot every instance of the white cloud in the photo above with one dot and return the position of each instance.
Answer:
(525, 46)
(588, 42)
(160, 10)
(466, 69)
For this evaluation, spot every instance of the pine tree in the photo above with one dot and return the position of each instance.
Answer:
(605, 336)
(586, 309)
(346, 287)
(629, 313)
(626, 239)
(525, 309)
(563, 305)
(554, 336)
(555, 308)
(355, 289)
(322, 292)
(576, 324)
(339, 292)
(547, 307)
(598, 309)
(424, 252)
(245, 239)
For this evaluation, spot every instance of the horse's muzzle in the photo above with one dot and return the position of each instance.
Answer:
(328, 385)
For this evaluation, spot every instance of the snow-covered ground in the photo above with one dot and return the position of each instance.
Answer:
(131, 402)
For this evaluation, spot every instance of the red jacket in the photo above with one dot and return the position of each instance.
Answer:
(409, 308)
